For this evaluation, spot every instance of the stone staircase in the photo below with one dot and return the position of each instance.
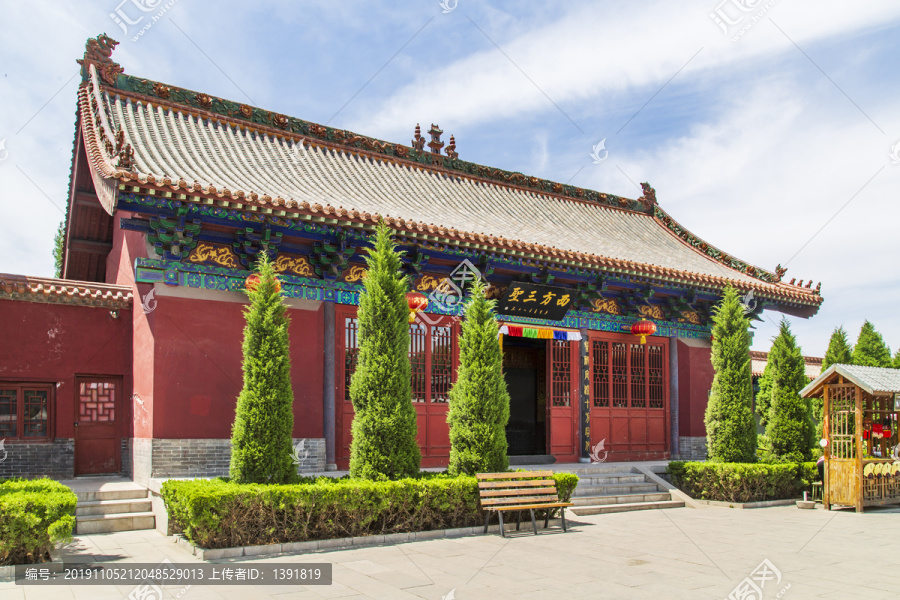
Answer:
(617, 488)
(112, 506)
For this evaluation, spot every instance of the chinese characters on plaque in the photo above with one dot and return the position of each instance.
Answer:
(533, 300)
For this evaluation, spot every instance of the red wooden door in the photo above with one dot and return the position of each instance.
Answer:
(98, 440)
(629, 397)
(562, 399)
(433, 355)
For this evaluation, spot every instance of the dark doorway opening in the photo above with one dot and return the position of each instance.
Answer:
(524, 367)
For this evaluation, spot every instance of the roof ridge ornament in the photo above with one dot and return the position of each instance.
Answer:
(98, 51)
(649, 197)
(418, 142)
(435, 144)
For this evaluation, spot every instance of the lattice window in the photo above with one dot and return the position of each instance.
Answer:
(656, 375)
(600, 373)
(24, 411)
(417, 357)
(96, 402)
(561, 389)
(638, 377)
(441, 363)
(619, 370)
(351, 352)
(842, 420)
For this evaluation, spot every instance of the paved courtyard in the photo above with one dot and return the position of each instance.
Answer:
(666, 554)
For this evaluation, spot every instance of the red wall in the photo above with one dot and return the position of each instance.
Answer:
(127, 246)
(193, 378)
(695, 376)
(51, 343)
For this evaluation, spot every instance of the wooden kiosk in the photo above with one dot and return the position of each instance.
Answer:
(861, 407)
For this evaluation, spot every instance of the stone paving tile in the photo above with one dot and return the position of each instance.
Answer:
(678, 553)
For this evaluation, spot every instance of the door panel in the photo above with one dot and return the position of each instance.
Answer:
(98, 442)
(562, 399)
(629, 396)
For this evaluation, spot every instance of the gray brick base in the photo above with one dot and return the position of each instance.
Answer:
(692, 448)
(164, 458)
(54, 459)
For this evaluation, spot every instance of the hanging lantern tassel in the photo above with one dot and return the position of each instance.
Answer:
(643, 329)
(417, 303)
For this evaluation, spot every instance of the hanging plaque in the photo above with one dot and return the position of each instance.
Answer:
(534, 300)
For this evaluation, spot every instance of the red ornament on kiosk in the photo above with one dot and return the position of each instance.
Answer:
(643, 329)
(417, 302)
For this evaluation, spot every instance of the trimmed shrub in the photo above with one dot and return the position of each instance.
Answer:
(479, 402)
(730, 428)
(384, 428)
(35, 515)
(222, 514)
(264, 417)
(741, 482)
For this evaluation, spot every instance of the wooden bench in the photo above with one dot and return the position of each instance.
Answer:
(525, 490)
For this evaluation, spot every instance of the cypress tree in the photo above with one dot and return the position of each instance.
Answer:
(870, 350)
(839, 351)
(264, 417)
(790, 428)
(479, 401)
(897, 359)
(730, 427)
(764, 394)
(384, 442)
(58, 241)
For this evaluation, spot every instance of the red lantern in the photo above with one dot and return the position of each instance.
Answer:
(253, 281)
(643, 329)
(417, 302)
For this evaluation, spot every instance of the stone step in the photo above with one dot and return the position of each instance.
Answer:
(605, 490)
(109, 507)
(114, 522)
(592, 480)
(135, 493)
(619, 499)
(583, 511)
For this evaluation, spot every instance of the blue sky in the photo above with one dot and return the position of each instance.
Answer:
(773, 144)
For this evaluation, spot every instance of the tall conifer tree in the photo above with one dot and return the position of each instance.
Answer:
(870, 350)
(479, 401)
(790, 427)
(839, 351)
(384, 425)
(261, 450)
(730, 427)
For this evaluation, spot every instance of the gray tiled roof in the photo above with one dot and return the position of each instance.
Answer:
(176, 145)
(872, 379)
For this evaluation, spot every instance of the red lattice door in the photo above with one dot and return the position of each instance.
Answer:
(562, 399)
(629, 397)
(98, 407)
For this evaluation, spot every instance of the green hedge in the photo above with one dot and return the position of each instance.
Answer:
(34, 516)
(742, 482)
(221, 514)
